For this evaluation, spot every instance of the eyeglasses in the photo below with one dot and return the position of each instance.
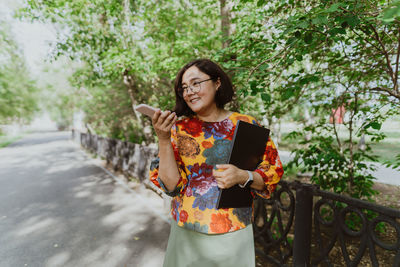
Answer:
(195, 88)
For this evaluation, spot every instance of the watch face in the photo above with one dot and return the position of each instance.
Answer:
(249, 183)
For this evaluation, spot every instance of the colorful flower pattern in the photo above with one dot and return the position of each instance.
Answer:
(220, 223)
(198, 146)
(188, 146)
(219, 153)
(219, 130)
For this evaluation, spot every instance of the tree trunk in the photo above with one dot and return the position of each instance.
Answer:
(361, 144)
(225, 23)
(146, 126)
(309, 120)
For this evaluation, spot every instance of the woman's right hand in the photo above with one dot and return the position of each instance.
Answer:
(162, 123)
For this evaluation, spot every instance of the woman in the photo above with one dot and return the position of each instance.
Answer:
(189, 168)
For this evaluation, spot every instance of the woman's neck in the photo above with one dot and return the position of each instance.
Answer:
(213, 116)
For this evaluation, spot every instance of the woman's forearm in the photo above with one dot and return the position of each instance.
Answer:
(258, 182)
(168, 168)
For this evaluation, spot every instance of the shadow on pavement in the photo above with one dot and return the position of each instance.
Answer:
(58, 210)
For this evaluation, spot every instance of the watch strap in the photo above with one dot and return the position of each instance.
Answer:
(249, 180)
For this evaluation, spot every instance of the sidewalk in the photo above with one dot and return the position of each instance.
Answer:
(58, 207)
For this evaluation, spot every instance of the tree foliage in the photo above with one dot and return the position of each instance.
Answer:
(18, 92)
(130, 50)
(322, 56)
(311, 56)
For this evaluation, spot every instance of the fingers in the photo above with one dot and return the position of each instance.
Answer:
(223, 166)
(227, 175)
(220, 184)
(221, 178)
(156, 116)
(218, 173)
(168, 121)
(224, 183)
(163, 120)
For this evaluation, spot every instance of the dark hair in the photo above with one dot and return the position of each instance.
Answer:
(224, 94)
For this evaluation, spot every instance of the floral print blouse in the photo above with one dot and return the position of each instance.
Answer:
(198, 147)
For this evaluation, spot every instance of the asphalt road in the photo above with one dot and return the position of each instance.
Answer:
(59, 209)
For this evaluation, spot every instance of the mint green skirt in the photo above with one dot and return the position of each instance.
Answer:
(190, 248)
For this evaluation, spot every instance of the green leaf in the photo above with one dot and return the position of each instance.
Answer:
(333, 8)
(253, 86)
(375, 125)
(389, 14)
(263, 67)
(299, 57)
(320, 20)
(336, 31)
(353, 21)
(288, 93)
(308, 38)
(304, 24)
(260, 3)
(266, 97)
(290, 40)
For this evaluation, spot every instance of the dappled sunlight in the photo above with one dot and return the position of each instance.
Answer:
(35, 225)
(83, 194)
(64, 211)
(59, 259)
(106, 181)
(61, 166)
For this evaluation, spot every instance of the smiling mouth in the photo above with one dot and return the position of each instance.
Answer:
(194, 100)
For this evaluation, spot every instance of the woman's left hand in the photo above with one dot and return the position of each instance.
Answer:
(228, 175)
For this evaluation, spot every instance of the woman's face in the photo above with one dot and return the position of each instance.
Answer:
(205, 98)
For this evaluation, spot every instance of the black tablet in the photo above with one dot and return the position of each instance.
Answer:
(246, 153)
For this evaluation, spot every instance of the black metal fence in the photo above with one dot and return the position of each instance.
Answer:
(302, 225)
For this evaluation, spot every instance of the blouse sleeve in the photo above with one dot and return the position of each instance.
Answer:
(270, 170)
(154, 168)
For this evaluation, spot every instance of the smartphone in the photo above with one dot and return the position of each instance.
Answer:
(146, 110)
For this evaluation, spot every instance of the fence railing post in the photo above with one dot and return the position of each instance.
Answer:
(303, 225)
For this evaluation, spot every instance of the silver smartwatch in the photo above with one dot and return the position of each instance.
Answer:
(249, 181)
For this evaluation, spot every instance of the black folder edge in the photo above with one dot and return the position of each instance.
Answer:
(229, 159)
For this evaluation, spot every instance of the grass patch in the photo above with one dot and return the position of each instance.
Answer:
(6, 140)
(386, 150)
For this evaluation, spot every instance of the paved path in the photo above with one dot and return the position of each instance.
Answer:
(382, 173)
(59, 209)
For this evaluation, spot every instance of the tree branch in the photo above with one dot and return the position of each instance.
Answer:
(269, 59)
(366, 39)
(396, 86)
(391, 93)
(351, 165)
(390, 69)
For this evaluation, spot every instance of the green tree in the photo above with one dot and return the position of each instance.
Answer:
(18, 91)
(130, 51)
(311, 56)
(323, 55)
